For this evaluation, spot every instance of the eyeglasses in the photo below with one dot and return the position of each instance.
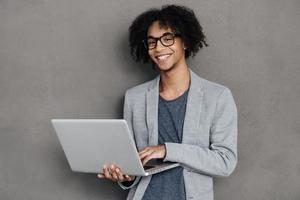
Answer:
(167, 39)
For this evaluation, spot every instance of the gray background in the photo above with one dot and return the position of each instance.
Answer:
(69, 59)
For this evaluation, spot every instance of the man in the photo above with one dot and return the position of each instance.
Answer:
(178, 116)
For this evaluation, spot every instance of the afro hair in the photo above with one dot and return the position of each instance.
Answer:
(179, 18)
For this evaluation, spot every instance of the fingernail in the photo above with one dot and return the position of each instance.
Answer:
(112, 166)
(117, 170)
(100, 176)
(104, 166)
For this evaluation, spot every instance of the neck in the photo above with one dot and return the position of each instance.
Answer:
(175, 81)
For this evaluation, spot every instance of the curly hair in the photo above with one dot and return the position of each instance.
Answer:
(179, 18)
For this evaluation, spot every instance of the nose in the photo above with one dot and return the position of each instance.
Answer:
(159, 46)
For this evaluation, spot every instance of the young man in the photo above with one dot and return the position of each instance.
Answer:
(178, 116)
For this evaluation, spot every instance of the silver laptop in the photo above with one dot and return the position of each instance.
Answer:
(90, 143)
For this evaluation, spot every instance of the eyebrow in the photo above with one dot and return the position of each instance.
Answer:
(166, 33)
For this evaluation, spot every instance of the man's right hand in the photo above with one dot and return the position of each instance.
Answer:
(114, 173)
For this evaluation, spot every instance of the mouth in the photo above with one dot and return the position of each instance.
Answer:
(163, 57)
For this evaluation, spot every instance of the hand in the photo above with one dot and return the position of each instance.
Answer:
(114, 173)
(152, 152)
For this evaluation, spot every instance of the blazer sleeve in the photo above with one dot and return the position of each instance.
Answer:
(127, 115)
(220, 158)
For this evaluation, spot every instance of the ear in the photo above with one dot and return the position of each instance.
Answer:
(184, 47)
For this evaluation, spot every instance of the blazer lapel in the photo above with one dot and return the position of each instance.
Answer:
(152, 111)
(192, 115)
(193, 109)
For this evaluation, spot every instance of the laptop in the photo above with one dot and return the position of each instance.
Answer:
(90, 143)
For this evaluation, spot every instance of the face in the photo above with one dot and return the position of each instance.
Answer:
(166, 58)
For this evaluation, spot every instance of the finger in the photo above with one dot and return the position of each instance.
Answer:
(106, 172)
(144, 150)
(123, 177)
(100, 175)
(146, 153)
(128, 178)
(113, 173)
(147, 158)
(119, 174)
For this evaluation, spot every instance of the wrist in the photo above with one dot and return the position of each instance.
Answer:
(164, 150)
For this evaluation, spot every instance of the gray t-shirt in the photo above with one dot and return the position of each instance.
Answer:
(169, 184)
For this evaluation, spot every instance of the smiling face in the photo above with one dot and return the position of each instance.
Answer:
(166, 58)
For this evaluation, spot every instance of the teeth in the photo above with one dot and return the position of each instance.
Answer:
(163, 57)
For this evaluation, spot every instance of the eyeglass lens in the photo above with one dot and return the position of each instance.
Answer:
(165, 40)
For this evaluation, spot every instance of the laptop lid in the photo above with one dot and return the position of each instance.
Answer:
(90, 143)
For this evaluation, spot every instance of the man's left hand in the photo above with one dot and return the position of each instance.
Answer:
(152, 152)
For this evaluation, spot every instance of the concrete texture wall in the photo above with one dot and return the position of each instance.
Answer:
(70, 59)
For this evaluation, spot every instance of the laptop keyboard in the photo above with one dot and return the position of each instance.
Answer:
(148, 167)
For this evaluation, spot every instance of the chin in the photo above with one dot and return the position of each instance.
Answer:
(165, 67)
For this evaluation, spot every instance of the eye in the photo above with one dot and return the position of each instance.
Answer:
(149, 41)
(168, 37)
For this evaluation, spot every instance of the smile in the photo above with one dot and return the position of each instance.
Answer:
(163, 57)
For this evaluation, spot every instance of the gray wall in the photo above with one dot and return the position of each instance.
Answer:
(69, 59)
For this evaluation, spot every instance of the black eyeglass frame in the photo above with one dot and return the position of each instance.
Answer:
(159, 38)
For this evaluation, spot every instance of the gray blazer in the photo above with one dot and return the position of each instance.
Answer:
(209, 143)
